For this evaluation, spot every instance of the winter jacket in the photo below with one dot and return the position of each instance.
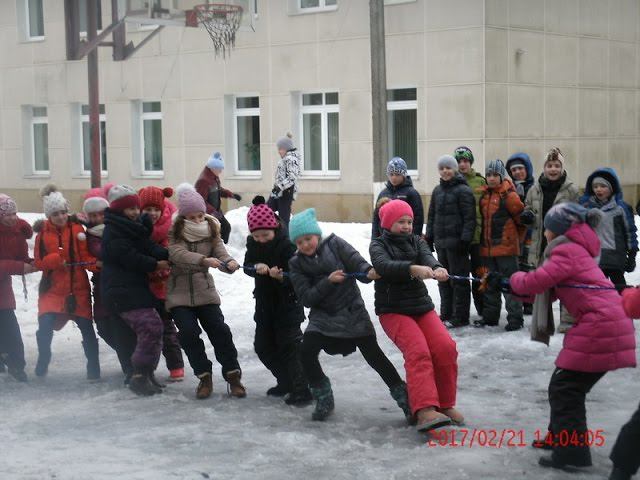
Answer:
(94, 245)
(522, 188)
(129, 256)
(190, 283)
(406, 192)
(631, 302)
(397, 292)
(160, 235)
(603, 337)
(14, 253)
(617, 229)
(337, 309)
(287, 173)
(476, 182)
(275, 300)
(501, 208)
(452, 214)
(53, 248)
(567, 192)
(210, 188)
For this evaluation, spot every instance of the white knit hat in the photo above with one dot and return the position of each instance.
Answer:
(95, 205)
(53, 200)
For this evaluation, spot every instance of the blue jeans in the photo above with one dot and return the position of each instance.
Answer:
(11, 346)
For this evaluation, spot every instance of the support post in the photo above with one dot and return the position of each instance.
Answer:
(378, 90)
(94, 94)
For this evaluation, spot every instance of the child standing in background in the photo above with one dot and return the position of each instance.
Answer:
(285, 185)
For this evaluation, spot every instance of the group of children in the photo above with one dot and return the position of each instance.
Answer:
(151, 274)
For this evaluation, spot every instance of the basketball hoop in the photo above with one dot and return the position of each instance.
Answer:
(221, 21)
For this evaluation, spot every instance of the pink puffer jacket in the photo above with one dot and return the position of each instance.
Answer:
(603, 337)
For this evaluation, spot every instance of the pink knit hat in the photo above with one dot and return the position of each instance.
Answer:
(260, 216)
(189, 201)
(7, 205)
(391, 212)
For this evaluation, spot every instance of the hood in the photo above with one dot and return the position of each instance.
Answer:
(527, 164)
(585, 236)
(505, 187)
(21, 228)
(163, 225)
(136, 229)
(608, 174)
(407, 183)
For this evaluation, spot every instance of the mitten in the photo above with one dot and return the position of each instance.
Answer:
(237, 196)
(630, 264)
(527, 217)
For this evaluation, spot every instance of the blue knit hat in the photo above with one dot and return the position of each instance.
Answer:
(561, 216)
(397, 166)
(496, 167)
(304, 223)
(216, 161)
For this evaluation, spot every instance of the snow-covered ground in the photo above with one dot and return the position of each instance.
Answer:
(63, 427)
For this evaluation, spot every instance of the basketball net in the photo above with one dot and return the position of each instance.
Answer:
(221, 22)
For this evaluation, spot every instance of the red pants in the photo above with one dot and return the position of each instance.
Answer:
(430, 358)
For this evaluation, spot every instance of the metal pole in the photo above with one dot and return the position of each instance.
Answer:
(94, 94)
(378, 90)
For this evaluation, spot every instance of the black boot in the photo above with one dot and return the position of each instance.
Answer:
(19, 375)
(324, 400)
(618, 474)
(513, 326)
(299, 398)
(156, 384)
(141, 385)
(93, 361)
(400, 395)
(44, 354)
(279, 390)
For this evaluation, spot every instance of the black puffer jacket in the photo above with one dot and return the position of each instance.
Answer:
(337, 309)
(128, 256)
(276, 301)
(396, 292)
(405, 192)
(452, 213)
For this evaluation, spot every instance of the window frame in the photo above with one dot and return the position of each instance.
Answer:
(324, 111)
(85, 119)
(397, 105)
(27, 26)
(33, 121)
(83, 33)
(149, 116)
(244, 112)
(322, 7)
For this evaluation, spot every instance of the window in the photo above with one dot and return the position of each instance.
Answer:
(320, 132)
(402, 126)
(318, 4)
(247, 134)
(34, 19)
(39, 140)
(82, 16)
(86, 140)
(151, 141)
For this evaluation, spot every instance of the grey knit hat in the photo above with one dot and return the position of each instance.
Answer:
(447, 161)
(601, 181)
(496, 167)
(286, 142)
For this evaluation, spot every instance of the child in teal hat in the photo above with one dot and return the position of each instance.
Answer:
(323, 273)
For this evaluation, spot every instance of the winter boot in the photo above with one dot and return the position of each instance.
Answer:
(156, 384)
(513, 326)
(205, 387)
(399, 394)
(3, 368)
(299, 398)
(42, 365)
(93, 363)
(324, 400)
(279, 390)
(234, 387)
(619, 474)
(176, 375)
(44, 353)
(454, 415)
(18, 375)
(140, 385)
(429, 419)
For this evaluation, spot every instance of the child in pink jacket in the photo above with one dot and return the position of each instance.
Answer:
(601, 340)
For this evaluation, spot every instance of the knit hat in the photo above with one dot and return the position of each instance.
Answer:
(447, 161)
(94, 205)
(601, 181)
(304, 223)
(516, 162)
(123, 196)
(397, 166)
(465, 153)
(561, 216)
(154, 197)
(189, 201)
(53, 201)
(555, 154)
(260, 216)
(216, 161)
(7, 205)
(286, 142)
(392, 211)
(496, 167)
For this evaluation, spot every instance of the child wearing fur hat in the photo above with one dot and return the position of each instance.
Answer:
(407, 315)
(617, 230)
(323, 273)
(399, 186)
(450, 228)
(500, 207)
(14, 260)
(128, 256)
(285, 185)
(61, 252)
(278, 313)
(602, 339)
(155, 203)
(195, 246)
(209, 186)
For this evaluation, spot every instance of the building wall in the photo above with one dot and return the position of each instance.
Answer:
(575, 85)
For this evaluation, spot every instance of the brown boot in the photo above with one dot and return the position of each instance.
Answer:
(454, 414)
(234, 387)
(205, 387)
(430, 419)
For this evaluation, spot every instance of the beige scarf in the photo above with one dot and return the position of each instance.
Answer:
(196, 232)
(96, 230)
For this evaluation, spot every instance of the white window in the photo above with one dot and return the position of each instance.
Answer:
(320, 125)
(30, 20)
(82, 16)
(246, 113)
(85, 136)
(151, 138)
(312, 5)
(402, 126)
(39, 140)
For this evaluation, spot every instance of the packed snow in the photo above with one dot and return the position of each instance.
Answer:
(64, 427)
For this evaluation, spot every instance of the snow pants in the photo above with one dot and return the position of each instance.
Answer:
(430, 358)
(147, 325)
(476, 266)
(279, 350)
(625, 452)
(171, 350)
(282, 205)
(11, 346)
(455, 294)
(506, 266)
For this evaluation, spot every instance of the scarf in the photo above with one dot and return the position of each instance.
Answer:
(96, 230)
(196, 232)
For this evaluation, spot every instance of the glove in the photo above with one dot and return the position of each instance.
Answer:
(497, 281)
(527, 217)
(630, 264)
(237, 197)
(463, 247)
(275, 191)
